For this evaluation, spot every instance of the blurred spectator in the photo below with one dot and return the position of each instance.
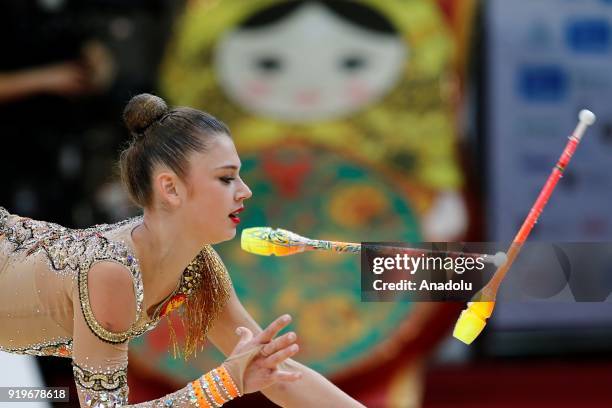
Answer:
(48, 94)
(64, 79)
(66, 69)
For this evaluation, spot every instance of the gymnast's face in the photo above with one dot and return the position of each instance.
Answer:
(214, 190)
(310, 66)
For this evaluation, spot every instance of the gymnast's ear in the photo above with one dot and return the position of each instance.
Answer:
(169, 189)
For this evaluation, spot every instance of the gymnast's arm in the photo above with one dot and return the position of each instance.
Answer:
(312, 390)
(99, 366)
(102, 322)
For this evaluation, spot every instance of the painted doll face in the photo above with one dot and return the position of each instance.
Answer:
(310, 66)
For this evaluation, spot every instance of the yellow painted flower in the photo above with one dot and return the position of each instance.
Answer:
(338, 317)
(356, 205)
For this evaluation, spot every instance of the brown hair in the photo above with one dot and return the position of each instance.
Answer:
(166, 136)
(161, 136)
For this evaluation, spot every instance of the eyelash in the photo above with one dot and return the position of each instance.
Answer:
(226, 180)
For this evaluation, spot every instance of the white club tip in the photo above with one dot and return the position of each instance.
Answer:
(499, 259)
(587, 117)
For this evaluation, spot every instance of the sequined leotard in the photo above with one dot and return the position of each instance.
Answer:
(45, 309)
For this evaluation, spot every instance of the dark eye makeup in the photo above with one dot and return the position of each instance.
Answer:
(227, 180)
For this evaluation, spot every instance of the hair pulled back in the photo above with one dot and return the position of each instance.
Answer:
(167, 136)
(161, 136)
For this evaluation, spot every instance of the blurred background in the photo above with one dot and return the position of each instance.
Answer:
(372, 120)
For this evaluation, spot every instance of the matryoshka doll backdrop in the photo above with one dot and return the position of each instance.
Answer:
(343, 117)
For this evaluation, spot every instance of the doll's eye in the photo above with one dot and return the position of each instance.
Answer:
(353, 63)
(269, 64)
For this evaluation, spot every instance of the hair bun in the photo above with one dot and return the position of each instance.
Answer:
(142, 111)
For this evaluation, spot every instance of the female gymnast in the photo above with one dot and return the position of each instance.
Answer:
(83, 294)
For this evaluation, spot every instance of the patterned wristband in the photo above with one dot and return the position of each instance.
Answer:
(209, 395)
(220, 386)
(213, 389)
(202, 401)
(192, 396)
(228, 381)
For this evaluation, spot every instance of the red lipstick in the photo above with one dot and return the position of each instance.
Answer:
(234, 215)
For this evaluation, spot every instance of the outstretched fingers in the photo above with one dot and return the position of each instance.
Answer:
(275, 359)
(273, 328)
(281, 342)
(245, 334)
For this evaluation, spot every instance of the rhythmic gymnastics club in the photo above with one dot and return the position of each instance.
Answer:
(473, 319)
(269, 241)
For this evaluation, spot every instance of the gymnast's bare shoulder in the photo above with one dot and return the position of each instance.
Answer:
(111, 296)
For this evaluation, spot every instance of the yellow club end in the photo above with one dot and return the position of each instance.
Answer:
(468, 327)
(472, 321)
(268, 241)
(251, 241)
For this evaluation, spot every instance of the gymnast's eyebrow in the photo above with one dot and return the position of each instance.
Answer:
(228, 166)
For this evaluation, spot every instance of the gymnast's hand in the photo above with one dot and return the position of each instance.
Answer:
(254, 362)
